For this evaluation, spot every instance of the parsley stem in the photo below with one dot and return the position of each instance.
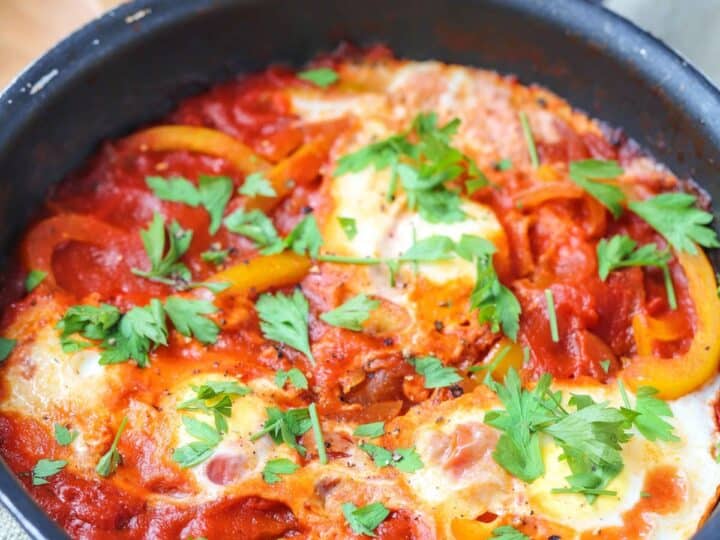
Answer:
(552, 315)
(672, 300)
(584, 491)
(319, 441)
(529, 140)
(392, 188)
(342, 259)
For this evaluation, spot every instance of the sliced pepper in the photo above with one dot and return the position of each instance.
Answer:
(201, 140)
(264, 272)
(680, 375)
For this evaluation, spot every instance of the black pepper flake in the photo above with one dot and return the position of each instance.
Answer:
(307, 210)
(456, 391)
(439, 326)
(388, 341)
(554, 537)
(542, 102)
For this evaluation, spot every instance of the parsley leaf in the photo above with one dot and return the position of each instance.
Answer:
(257, 184)
(165, 267)
(366, 519)
(33, 279)
(587, 175)
(255, 225)
(430, 249)
(381, 456)
(494, 302)
(92, 322)
(504, 164)
(285, 427)
(303, 239)
(322, 77)
(404, 459)
(348, 226)
(138, 331)
(109, 462)
(678, 220)
(435, 373)
(647, 416)
(63, 436)
(380, 155)
(197, 451)
(372, 430)
(215, 256)
(213, 193)
(215, 397)
(294, 375)
(284, 318)
(6, 347)
(46, 468)
(276, 467)
(506, 532)
(620, 252)
(187, 317)
(352, 313)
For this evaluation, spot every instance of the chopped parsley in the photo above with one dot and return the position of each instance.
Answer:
(255, 225)
(349, 226)
(494, 302)
(529, 139)
(303, 239)
(275, 467)
(322, 77)
(678, 220)
(371, 430)
(620, 252)
(33, 279)
(605, 365)
(507, 532)
(109, 462)
(138, 331)
(6, 347)
(215, 398)
(435, 373)
(425, 163)
(286, 427)
(165, 266)
(294, 375)
(366, 519)
(63, 436)
(284, 318)
(648, 414)
(187, 316)
(317, 433)
(403, 459)
(45, 468)
(352, 314)
(552, 316)
(215, 256)
(257, 184)
(589, 175)
(504, 164)
(196, 452)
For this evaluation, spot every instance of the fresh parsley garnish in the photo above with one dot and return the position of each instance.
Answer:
(255, 225)
(215, 256)
(275, 467)
(494, 302)
(366, 519)
(435, 373)
(187, 316)
(648, 414)
(303, 239)
(403, 459)
(63, 435)
(552, 316)
(165, 266)
(286, 427)
(257, 184)
(317, 433)
(504, 164)
(620, 252)
(109, 462)
(33, 279)
(284, 318)
(349, 226)
(425, 163)
(6, 347)
(294, 375)
(200, 450)
(322, 77)
(215, 398)
(212, 193)
(136, 334)
(352, 314)
(678, 220)
(45, 468)
(529, 139)
(371, 430)
(507, 532)
(589, 173)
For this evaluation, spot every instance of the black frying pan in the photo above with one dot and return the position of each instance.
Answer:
(126, 69)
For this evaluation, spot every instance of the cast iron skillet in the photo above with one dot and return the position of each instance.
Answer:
(132, 65)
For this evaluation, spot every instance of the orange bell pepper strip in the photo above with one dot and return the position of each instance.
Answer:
(264, 272)
(677, 376)
(40, 242)
(198, 139)
(471, 529)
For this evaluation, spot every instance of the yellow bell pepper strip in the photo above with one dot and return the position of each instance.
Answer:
(263, 272)
(471, 529)
(198, 139)
(677, 376)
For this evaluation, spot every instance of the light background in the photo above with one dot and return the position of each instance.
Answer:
(29, 27)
